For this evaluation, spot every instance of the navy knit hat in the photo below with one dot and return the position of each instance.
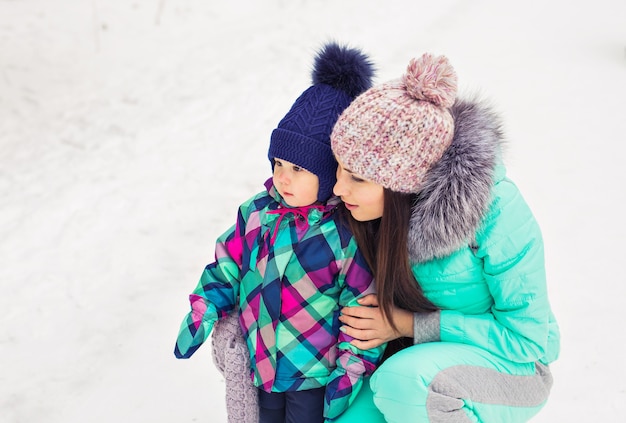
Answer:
(303, 135)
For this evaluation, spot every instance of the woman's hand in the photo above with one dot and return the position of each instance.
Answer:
(368, 327)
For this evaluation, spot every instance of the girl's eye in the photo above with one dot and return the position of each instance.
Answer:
(357, 179)
(277, 163)
(297, 168)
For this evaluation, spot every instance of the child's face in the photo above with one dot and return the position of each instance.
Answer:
(297, 186)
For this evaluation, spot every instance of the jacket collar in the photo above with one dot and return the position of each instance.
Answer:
(302, 216)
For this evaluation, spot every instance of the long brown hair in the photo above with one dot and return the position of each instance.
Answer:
(384, 243)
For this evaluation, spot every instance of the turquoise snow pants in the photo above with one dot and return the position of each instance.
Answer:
(448, 382)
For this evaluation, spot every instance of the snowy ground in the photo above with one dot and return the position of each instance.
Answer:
(131, 130)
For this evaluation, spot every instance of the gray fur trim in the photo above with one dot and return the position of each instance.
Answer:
(457, 189)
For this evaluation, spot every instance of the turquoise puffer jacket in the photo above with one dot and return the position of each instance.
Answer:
(477, 250)
(492, 292)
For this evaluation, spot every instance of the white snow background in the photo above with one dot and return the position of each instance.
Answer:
(130, 131)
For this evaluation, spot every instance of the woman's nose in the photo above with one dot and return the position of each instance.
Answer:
(339, 188)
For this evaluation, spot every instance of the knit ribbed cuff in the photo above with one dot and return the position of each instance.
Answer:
(426, 327)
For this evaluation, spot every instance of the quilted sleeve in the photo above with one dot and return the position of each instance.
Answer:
(216, 293)
(511, 248)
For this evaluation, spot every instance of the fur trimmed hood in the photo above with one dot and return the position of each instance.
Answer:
(457, 189)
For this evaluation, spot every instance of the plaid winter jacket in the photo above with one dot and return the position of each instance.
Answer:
(291, 270)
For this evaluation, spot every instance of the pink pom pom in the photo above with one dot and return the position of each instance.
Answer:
(431, 79)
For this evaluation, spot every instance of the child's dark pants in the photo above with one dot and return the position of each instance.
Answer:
(292, 407)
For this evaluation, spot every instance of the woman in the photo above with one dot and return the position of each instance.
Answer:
(456, 253)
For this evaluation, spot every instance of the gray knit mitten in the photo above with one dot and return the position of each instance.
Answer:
(230, 356)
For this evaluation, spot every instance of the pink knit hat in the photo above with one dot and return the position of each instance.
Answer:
(393, 133)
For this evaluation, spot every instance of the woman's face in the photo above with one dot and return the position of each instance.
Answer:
(364, 199)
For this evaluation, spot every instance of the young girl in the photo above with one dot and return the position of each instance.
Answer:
(443, 229)
(290, 264)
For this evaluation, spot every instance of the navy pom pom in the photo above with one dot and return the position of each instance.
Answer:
(346, 69)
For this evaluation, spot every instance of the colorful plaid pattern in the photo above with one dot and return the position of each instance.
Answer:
(291, 281)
